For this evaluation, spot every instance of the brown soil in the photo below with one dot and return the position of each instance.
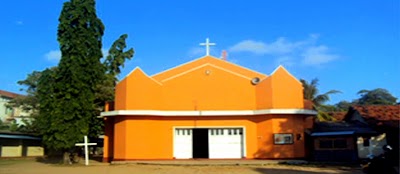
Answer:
(34, 167)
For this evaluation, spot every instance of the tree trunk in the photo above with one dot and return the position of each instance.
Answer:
(66, 158)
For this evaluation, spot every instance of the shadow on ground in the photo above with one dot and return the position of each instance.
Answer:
(49, 160)
(59, 159)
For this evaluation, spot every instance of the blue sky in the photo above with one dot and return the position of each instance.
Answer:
(348, 45)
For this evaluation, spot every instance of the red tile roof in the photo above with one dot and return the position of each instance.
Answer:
(380, 114)
(9, 94)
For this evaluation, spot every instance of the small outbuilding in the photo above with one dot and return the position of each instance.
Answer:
(20, 145)
(361, 131)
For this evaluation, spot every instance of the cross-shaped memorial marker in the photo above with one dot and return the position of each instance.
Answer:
(207, 44)
(86, 144)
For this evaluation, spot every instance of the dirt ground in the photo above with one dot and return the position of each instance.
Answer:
(35, 167)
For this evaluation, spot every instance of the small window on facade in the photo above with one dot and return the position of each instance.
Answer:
(283, 138)
(340, 144)
(212, 131)
(221, 132)
(325, 144)
(240, 132)
(177, 131)
(189, 131)
(366, 142)
(229, 132)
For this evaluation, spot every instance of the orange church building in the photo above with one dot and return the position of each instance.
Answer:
(206, 108)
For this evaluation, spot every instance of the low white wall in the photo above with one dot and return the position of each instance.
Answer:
(375, 146)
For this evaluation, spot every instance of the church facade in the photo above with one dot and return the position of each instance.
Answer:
(206, 108)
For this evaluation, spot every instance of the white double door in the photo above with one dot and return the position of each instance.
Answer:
(223, 143)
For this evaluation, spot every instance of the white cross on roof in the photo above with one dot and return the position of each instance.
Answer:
(207, 44)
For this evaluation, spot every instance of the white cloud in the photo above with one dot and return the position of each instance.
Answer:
(280, 46)
(19, 22)
(289, 53)
(318, 55)
(53, 55)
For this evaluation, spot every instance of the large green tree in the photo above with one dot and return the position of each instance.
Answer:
(68, 108)
(67, 98)
(377, 96)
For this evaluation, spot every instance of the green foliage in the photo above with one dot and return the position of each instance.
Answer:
(377, 96)
(311, 92)
(13, 126)
(115, 60)
(327, 108)
(323, 116)
(27, 103)
(117, 56)
(343, 105)
(66, 100)
(67, 94)
(4, 126)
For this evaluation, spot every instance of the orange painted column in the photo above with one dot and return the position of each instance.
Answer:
(108, 139)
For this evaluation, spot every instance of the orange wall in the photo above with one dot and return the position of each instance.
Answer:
(226, 87)
(218, 90)
(142, 93)
(121, 94)
(287, 91)
(145, 93)
(120, 137)
(108, 139)
(151, 137)
(264, 94)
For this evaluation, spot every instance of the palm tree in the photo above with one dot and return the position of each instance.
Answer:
(310, 92)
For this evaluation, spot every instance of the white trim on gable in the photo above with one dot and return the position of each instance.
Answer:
(210, 57)
(207, 112)
(240, 66)
(204, 65)
(177, 66)
(280, 66)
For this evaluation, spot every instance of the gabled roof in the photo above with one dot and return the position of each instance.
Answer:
(377, 115)
(138, 70)
(282, 69)
(379, 112)
(9, 94)
(207, 60)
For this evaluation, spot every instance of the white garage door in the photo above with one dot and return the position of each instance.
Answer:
(225, 143)
(183, 143)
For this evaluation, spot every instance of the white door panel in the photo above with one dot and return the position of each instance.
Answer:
(225, 143)
(183, 144)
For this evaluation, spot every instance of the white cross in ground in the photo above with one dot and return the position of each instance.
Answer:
(207, 44)
(86, 144)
